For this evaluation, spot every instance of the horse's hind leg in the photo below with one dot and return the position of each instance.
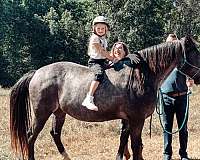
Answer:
(126, 152)
(123, 148)
(37, 126)
(58, 120)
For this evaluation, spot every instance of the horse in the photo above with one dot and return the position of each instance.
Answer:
(58, 89)
(188, 67)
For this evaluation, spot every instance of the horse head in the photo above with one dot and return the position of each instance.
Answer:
(189, 63)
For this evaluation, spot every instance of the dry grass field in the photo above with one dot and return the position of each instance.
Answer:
(99, 141)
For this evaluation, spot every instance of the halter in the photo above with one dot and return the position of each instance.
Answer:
(187, 64)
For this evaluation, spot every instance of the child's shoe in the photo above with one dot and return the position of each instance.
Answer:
(88, 102)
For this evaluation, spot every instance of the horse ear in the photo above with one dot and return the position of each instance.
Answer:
(190, 42)
(187, 39)
(191, 39)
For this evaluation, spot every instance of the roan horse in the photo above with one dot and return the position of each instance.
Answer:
(59, 89)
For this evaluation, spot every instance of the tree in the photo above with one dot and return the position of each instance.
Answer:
(139, 23)
(38, 32)
(14, 47)
(184, 17)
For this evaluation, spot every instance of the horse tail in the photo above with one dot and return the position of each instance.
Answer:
(20, 115)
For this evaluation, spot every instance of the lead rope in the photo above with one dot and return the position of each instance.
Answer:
(150, 126)
(162, 107)
(158, 111)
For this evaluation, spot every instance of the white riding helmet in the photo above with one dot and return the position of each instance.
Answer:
(100, 19)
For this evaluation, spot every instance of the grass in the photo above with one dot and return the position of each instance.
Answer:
(99, 141)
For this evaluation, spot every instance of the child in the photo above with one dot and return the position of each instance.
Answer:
(98, 55)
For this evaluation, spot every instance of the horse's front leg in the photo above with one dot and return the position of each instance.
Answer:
(136, 127)
(123, 147)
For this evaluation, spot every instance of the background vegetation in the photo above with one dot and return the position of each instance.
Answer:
(34, 33)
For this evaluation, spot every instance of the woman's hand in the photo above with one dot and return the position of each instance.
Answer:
(135, 58)
(189, 82)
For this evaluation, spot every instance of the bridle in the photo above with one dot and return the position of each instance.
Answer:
(188, 64)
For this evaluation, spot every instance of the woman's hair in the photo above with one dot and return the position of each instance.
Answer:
(125, 47)
(171, 37)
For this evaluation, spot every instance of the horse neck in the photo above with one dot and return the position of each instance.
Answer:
(162, 59)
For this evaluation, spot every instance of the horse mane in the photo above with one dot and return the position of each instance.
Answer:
(157, 58)
(160, 56)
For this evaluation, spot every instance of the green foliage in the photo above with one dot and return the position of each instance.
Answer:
(139, 23)
(184, 18)
(39, 32)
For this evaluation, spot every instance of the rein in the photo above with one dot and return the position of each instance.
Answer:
(160, 111)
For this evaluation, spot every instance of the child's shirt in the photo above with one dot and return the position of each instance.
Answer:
(94, 52)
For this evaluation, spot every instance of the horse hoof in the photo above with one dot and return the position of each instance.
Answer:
(127, 156)
(65, 156)
(118, 157)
